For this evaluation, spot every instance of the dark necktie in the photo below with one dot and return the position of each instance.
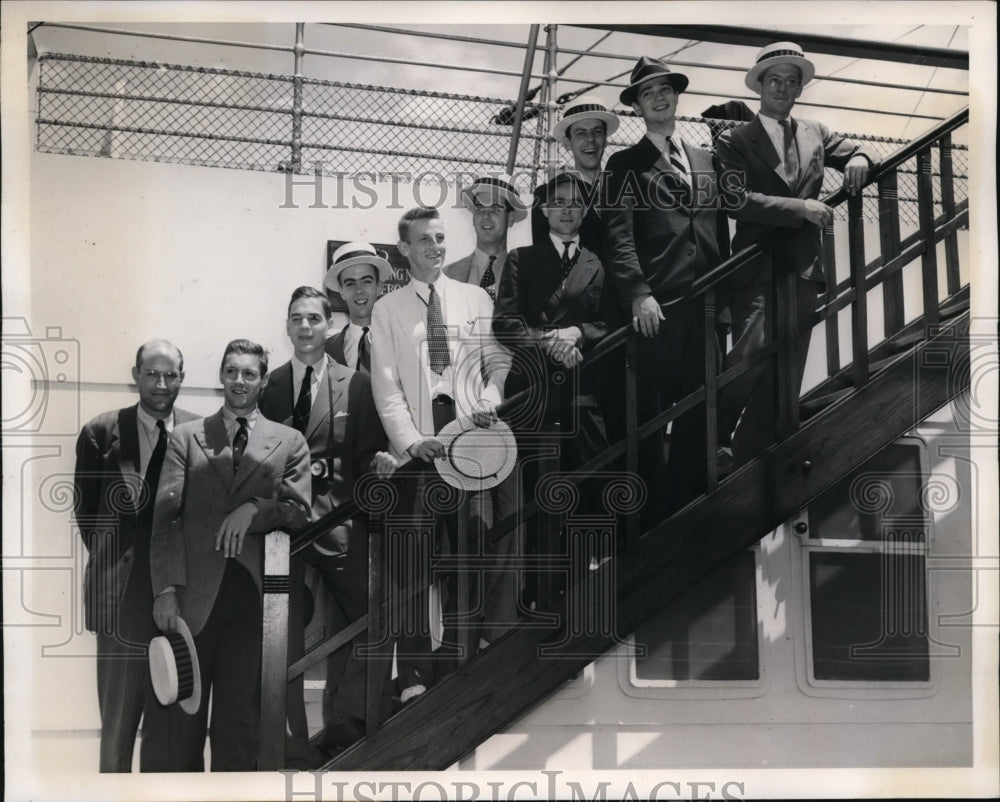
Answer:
(239, 442)
(676, 163)
(364, 361)
(567, 263)
(437, 336)
(489, 279)
(791, 153)
(152, 477)
(300, 415)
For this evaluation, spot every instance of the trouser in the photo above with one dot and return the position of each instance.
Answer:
(123, 686)
(753, 393)
(229, 653)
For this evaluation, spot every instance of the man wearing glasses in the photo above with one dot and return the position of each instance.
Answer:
(775, 164)
(118, 459)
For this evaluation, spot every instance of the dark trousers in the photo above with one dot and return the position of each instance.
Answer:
(753, 394)
(123, 686)
(229, 652)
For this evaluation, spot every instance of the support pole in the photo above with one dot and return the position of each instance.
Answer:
(300, 50)
(515, 136)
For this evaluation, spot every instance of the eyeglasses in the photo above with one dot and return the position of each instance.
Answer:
(170, 377)
(783, 83)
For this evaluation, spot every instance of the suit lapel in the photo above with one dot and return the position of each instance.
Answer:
(215, 444)
(262, 441)
(283, 392)
(808, 142)
(336, 345)
(764, 147)
(125, 445)
(580, 276)
(327, 396)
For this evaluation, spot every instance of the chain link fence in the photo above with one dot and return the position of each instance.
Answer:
(215, 117)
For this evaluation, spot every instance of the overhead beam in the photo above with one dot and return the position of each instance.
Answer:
(811, 43)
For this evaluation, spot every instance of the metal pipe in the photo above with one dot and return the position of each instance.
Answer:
(449, 37)
(168, 36)
(297, 98)
(515, 135)
(552, 76)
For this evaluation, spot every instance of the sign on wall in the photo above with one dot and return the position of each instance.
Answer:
(400, 271)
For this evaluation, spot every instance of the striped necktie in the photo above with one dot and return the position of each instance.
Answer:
(676, 162)
(791, 155)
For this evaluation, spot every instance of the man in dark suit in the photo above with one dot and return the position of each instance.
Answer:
(118, 460)
(227, 480)
(553, 306)
(663, 229)
(357, 274)
(495, 206)
(584, 129)
(777, 164)
(332, 406)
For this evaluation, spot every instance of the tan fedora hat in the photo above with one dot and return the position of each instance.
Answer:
(357, 253)
(476, 458)
(174, 669)
(775, 54)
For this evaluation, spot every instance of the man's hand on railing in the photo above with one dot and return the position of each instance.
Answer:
(855, 174)
(234, 528)
(817, 212)
(561, 345)
(165, 611)
(646, 315)
(384, 464)
(427, 450)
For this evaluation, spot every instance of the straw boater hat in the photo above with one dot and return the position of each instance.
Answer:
(357, 253)
(487, 187)
(174, 670)
(585, 107)
(646, 69)
(476, 458)
(779, 53)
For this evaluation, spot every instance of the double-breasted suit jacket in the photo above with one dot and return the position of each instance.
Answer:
(401, 369)
(199, 488)
(660, 236)
(344, 428)
(767, 200)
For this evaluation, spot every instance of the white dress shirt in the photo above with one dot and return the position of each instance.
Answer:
(149, 433)
(299, 371)
(352, 339)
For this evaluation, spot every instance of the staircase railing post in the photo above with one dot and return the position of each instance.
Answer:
(928, 260)
(463, 624)
(859, 309)
(786, 377)
(948, 208)
(888, 229)
(829, 295)
(711, 393)
(376, 622)
(274, 652)
(549, 524)
(631, 436)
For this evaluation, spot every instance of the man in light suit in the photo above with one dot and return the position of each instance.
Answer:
(663, 229)
(357, 274)
(434, 359)
(227, 480)
(553, 306)
(332, 406)
(117, 452)
(583, 130)
(495, 206)
(776, 165)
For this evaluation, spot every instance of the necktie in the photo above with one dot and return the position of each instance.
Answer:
(300, 415)
(791, 152)
(152, 477)
(364, 358)
(489, 279)
(675, 161)
(437, 336)
(567, 263)
(239, 442)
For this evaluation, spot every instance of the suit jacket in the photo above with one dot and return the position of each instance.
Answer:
(343, 428)
(401, 375)
(199, 488)
(658, 236)
(532, 299)
(765, 199)
(108, 487)
(335, 348)
(590, 230)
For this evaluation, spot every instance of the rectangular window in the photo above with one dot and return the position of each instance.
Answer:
(865, 548)
(708, 633)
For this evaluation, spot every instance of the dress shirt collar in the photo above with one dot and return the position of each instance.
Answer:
(299, 370)
(148, 422)
(558, 242)
(423, 289)
(229, 419)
